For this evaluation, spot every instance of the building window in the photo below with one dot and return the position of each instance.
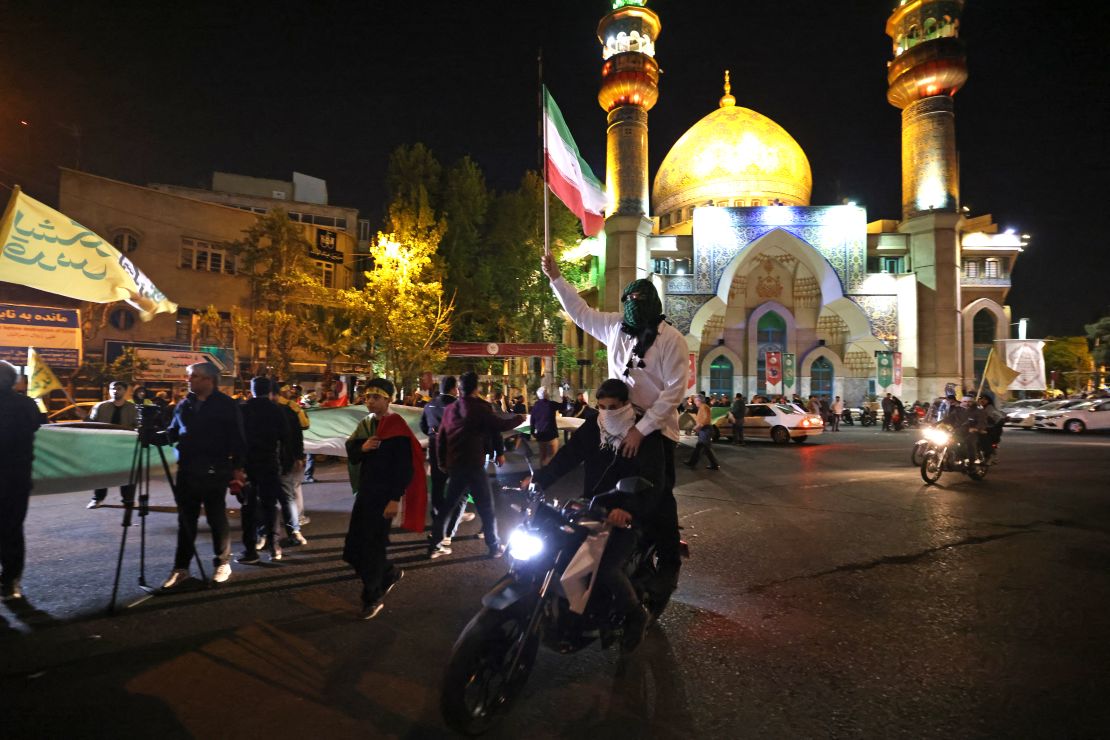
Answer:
(971, 268)
(326, 273)
(665, 220)
(992, 269)
(205, 257)
(125, 241)
(983, 328)
(771, 337)
(363, 230)
(891, 264)
(122, 318)
(662, 266)
(682, 266)
(755, 202)
(821, 378)
(720, 377)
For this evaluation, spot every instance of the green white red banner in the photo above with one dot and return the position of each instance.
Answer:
(773, 363)
(789, 373)
(567, 174)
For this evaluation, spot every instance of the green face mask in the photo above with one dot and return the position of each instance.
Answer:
(641, 304)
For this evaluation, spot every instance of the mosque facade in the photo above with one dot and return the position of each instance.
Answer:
(749, 267)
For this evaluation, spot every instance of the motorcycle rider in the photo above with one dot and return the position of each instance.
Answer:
(958, 419)
(596, 446)
(994, 420)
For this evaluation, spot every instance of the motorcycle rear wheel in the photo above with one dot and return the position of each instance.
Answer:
(931, 468)
(477, 689)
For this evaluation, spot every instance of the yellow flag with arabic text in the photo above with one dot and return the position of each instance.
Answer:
(45, 249)
(998, 373)
(40, 378)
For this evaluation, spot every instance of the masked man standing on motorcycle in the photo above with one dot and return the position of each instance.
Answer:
(596, 445)
(651, 357)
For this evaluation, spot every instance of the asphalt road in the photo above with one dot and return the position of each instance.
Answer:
(830, 594)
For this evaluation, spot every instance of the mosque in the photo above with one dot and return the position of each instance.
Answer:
(747, 265)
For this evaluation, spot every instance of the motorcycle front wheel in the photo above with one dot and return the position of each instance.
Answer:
(477, 686)
(977, 471)
(931, 467)
(917, 454)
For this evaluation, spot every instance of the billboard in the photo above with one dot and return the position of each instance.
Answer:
(168, 361)
(1025, 357)
(55, 333)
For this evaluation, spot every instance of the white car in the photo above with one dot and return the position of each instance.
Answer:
(1023, 405)
(1026, 418)
(1078, 419)
(778, 422)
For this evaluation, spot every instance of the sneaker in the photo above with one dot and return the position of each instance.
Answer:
(439, 551)
(297, 539)
(496, 552)
(94, 504)
(275, 554)
(248, 558)
(468, 516)
(11, 591)
(308, 479)
(712, 467)
(396, 575)
(176, 577)
(303, 521)
(369, 611)
(223, 572)
(260, 543)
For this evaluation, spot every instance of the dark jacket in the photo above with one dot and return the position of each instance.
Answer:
(432, 418)
(208, 433)
(383, 473)
(603, 467)
(268, 436)
(293, 450)
(468, 424)
(544, 427)
(19, 420)
(103, 412)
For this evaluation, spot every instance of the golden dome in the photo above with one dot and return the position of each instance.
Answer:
(733, 156)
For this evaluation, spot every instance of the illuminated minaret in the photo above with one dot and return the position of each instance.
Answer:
(929, 66)
(629, 89)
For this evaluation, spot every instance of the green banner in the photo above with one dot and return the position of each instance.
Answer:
(885, 372)
(789, 375)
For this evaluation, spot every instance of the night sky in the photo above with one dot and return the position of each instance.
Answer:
(170, 92)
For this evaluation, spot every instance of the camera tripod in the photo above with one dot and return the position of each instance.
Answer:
(139, 482)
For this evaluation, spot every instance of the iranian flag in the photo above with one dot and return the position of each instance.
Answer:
(568, 175)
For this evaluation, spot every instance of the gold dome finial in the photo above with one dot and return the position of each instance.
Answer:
(728, 101)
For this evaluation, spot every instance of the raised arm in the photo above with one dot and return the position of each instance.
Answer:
(596, 323)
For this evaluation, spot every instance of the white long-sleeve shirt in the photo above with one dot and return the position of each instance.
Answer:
(659, 386)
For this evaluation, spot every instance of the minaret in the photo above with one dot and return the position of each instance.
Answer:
(629, 89)
(929, 66)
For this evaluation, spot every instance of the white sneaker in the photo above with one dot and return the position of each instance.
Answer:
(446, 542)
(223, 572)
(468, 516)
(176, 577)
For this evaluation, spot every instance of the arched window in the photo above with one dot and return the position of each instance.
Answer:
(720, 377)
(122, 318)
(770, 337)
(821, 378)
(983, 328)
(125, 241)
(930, 27)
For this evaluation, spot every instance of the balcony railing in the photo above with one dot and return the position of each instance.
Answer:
(980, 281)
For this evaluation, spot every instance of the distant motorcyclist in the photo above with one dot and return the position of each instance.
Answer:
(959, 418)
(994, 420)
(596, 446)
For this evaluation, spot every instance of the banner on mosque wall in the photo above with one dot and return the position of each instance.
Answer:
(1025, 357)
(773, 363)
(884, 370)
(789, 373)
(897, 373)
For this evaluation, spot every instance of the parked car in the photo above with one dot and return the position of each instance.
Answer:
(1026, 418)
(1092, 415)
(778, 422)
(1028, 403)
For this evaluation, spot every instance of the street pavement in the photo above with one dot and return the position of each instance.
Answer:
(829, 594)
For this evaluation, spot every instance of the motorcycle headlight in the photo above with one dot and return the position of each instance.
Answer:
(524, 545)
(937, 436)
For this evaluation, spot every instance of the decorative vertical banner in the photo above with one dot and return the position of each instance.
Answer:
(789, 376)
(884, 361)
(1026, 357)
(692, 374)
(898, 373)
(773, 362)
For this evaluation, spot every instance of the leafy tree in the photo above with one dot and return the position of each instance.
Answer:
(127, 367)
(1099, 334)
(469, 271)
(1070, 359)
(328, 333)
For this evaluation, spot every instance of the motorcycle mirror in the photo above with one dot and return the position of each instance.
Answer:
(633, 485)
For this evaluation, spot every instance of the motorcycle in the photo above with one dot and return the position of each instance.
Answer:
(846, 418)
(945, 452)
(543, 600)
(917, 454)
(867, 417)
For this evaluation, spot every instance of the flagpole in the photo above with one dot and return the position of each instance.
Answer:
(543, 160)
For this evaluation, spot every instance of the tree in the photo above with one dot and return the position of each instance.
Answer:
(127, 367)
(274, 257)
(469, 271)
(1099, 334)
(327, 333)
(1070, 359)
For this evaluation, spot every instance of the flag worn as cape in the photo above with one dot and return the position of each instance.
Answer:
(567, 174)
(45, 249)
(40, 378)
(416, 494)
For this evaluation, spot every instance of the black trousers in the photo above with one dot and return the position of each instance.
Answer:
(126, 493)
(663, 529)
(610, 573)
(366, 543)
(439, 496)
(475, 478)
(260, 511)
(198, 487)
(704, 445)
(14, 498)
